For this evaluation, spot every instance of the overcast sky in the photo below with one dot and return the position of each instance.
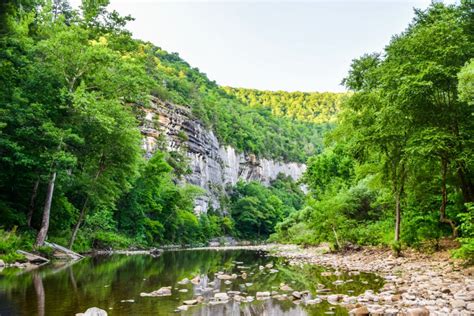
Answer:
(271, 45)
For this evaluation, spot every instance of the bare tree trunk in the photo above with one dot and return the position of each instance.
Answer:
(398, 187)
(397, 216)
(31, 208)
(444, 199)
(78, 224)
(41, 237)
(337, 239)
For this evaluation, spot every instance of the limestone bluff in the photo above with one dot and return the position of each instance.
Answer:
(213, 165)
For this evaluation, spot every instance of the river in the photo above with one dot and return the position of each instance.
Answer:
(114, 283)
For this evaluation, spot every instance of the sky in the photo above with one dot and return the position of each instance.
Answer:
(270, 45)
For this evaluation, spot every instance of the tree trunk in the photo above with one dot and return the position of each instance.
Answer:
(32, 203)
(397, 216)
(78, 224)
(444, 199)
(41, 237)
(337, 239)
(467, 187)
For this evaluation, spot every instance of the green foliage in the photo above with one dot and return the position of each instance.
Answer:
(45, 251)
(313, 107)
(256, 209)
(403, 144)
(331, 168)
(249, 128)
(110, 240)
(338, 215)
(73, 82)
(158, 211)
(466, 83)
(466, 251)
(10, 242)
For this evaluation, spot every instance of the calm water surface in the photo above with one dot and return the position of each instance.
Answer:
(106, 281)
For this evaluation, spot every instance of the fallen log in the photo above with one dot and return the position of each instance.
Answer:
(31, 257)
(61, 252)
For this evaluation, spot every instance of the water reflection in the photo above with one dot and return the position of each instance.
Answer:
(114, 283)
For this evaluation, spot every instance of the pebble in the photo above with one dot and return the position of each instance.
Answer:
(415, 283)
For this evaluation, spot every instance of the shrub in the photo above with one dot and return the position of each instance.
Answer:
(466, 251)
(10, 242)
(107, 240)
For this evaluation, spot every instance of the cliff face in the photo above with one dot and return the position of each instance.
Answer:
(213, 166)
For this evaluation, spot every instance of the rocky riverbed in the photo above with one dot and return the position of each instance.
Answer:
(415, 283)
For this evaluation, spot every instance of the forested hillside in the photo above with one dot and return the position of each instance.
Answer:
(245, 127)
(399, 168)
(72, 170)
(316, 107)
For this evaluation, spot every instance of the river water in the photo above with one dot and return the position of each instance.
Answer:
(114, 283)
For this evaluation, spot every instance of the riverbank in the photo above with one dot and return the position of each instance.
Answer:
(416, 283)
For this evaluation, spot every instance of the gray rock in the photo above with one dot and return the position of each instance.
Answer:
(184, 281)
(190, 302)
(360, 311)
(2, 263)
(224, 277)
(286, 288)
(458, 303)
(93, 311)
(222, 296)
(316, 300)
(465, 296)
(333, 298)
(196, 280)
(420, 311)
(391, 311)
(164, 291)
(262, 295)
(233, 292)
(212, 164)
(470, 307)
